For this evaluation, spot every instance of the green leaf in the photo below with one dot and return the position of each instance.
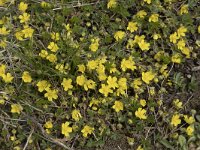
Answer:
(166, 144)
(182, 140)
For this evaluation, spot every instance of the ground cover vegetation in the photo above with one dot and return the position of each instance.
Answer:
(78, 74)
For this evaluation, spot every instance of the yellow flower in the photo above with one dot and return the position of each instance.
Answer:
(118, 106)
(76, 115)
(141, 14)
(55, 36)
(53, 47)
(138, 39)
(181, 44)
(2, 70)
(177, 103)
(141, 113)
(48, 125)
(43, 86)
(43, 53)
(66, 129)
(51, 94)
(7, 78)
(25, 17)
(173, 37)
(147, 1)
(22, 6)
(156, 36)
(199, 29)
(92, 64)
(87, 130)
(3, 43)
(89, 84)
(181, 31)
(2, 2)
(119, 35)
(132, 26)
(105, 90)
(19, 35)
(67, 84)
(186, 51)
(4, 31)
(143, 45)
(184, 9)
(2, 101)
(154, 18)
(137, 83)
(52, 58)
(111, 4)
(81, 68)
(190, 130)
(176, 58)
(189, 120)
(44, 4)
(94, 45)
(128, 64)
(143, 102)
(112, 82)
(175, 121)
(28, 32)
(16, 108)
(148, 76)
(139, 148)
(26, 77)
(80, 80)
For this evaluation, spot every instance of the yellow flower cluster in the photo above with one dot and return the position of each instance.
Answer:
(7, 77)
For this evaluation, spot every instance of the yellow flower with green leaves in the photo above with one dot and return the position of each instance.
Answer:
(181, 31)
(147, 1)
(53, 47)
(132, 26)
(178, 104)
(81, 68)
(174, 37)
(118, 106)
(144, 46)
(24, 18)
(22, 6)
(112, 82)
(89, 84)
(189, 120)
(66, 129)
(67, 84)
(154, 18)
(87, 130)
(148, 76)
(175, 121)
(128, 64)
(80, 80)
(2, 70)
(7, 78)
(105, 90)
(43, 53)
(141, 14)
(16, 108)
(141, 113)
(43, 85)
(48, 125)
(51, 94)
(55, 36)
(184, 9)
(27, 32)
(176, 58)
(76, 115)
(52, 58)
(111, 4)
(143, 102)
(4, 31)
(94, 44)
(190, 130)
(119, 35)
(26, 77)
